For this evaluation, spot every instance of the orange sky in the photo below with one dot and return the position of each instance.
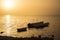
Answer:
(32, 7)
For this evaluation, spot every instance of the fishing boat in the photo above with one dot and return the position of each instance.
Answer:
(22, 29)
(38, 25)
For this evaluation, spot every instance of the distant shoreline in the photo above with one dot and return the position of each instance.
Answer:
(27, 38)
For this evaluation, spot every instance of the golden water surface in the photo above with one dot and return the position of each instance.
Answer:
(9, 25)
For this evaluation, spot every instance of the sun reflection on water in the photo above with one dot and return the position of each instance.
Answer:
(8, 24)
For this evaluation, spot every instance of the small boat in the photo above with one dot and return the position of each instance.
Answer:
(38, 25)
(21, 29)
(1, 32)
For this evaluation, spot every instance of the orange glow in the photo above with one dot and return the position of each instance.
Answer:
(29, 7)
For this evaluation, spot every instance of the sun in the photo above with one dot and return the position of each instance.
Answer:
(8, 4)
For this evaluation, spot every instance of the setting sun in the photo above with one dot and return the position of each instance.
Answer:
(8, 4)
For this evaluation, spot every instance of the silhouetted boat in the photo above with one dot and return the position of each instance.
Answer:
(1, 32)
(21, 29)
(38, 25)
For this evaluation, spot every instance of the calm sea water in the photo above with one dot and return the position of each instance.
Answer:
(9, 25)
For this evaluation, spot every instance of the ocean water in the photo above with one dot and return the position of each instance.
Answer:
(9, 25)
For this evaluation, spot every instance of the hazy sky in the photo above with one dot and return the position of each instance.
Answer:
(31, 7)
